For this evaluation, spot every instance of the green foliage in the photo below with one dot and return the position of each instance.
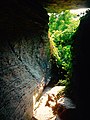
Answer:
(62, 82)
(61, 29)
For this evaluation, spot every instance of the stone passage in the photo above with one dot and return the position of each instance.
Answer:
(24, 57)
(51, 108)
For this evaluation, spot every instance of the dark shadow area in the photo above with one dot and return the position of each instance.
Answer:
(57, 73)
(33, 118)
(81, 65)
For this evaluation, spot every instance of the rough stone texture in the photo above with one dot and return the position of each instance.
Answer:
(24, 57)
(59, 5)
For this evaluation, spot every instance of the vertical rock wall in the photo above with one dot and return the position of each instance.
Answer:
(24, 57)
(81, 66)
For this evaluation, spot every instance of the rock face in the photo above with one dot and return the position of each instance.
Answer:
(24, 57)
(81, 65)
(59, 5)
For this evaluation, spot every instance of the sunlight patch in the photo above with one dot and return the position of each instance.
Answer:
(81, 11)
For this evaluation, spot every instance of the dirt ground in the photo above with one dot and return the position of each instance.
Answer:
(43, 111)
